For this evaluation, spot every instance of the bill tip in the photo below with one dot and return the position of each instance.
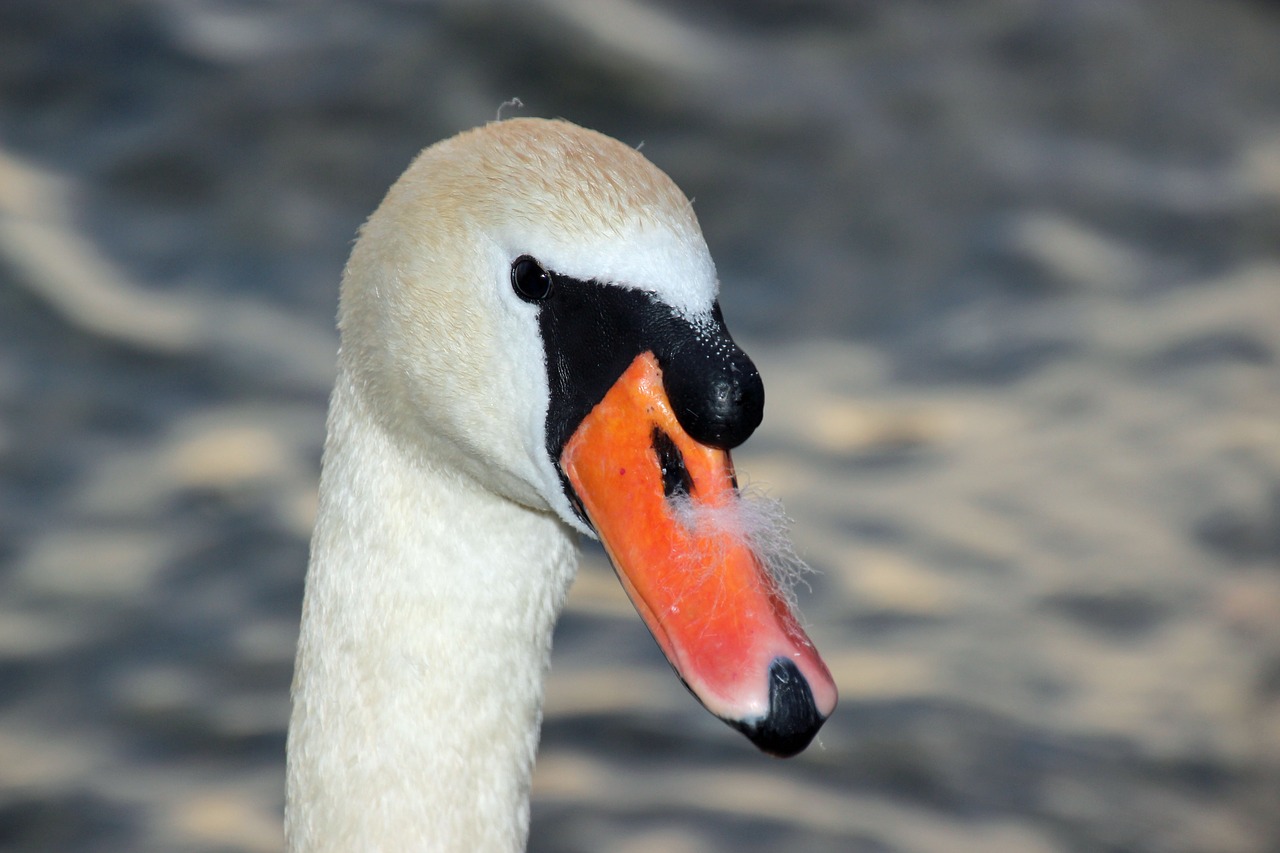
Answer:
(793, 719)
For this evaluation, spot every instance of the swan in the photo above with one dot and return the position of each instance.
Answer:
(531, 349)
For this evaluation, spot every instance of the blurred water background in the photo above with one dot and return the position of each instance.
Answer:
(1011, 270)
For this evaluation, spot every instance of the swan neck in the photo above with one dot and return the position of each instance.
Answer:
(426, 630)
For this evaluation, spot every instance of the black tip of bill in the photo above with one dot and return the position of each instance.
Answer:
(793, 719)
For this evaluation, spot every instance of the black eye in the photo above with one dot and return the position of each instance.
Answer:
(531, 282)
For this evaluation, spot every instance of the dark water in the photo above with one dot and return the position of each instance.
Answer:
(1011, 271)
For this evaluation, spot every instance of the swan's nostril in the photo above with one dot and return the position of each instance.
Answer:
(676, 481)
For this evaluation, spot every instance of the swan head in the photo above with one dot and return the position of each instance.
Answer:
(533, 308)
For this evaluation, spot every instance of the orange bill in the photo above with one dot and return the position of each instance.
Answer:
(714, 609)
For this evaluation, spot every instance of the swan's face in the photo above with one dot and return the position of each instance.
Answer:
(533, 306)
